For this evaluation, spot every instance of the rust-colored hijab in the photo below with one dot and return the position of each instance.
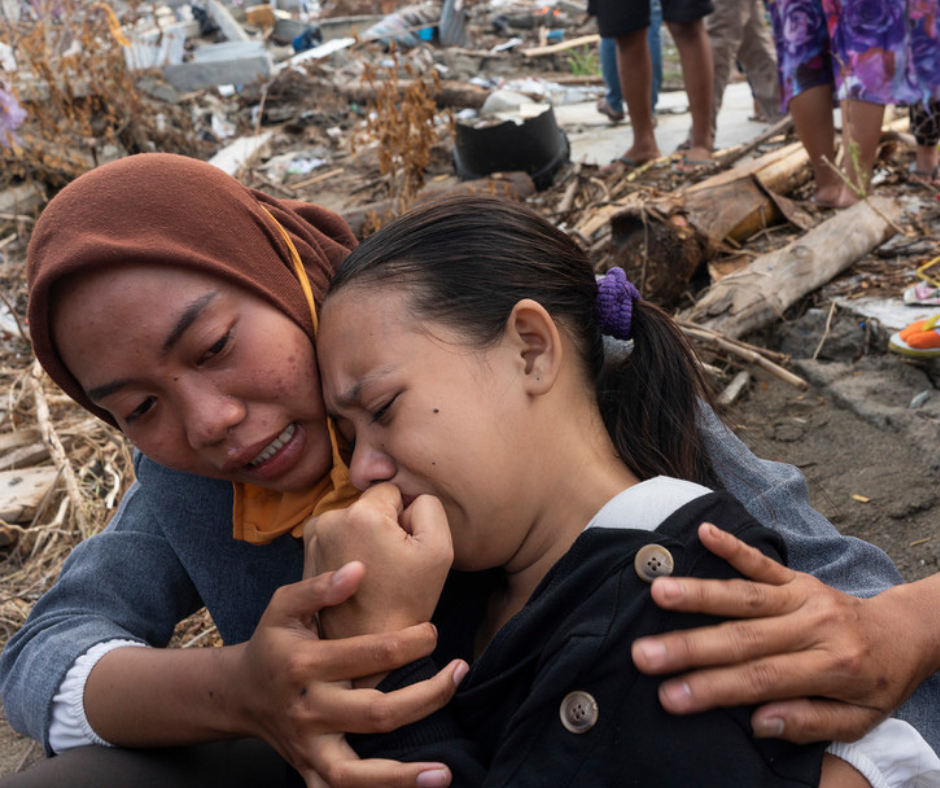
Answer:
(176, 211)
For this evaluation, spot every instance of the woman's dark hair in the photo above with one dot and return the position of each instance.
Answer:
(466, 261)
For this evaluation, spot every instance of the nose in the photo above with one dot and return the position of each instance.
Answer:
(369, 465)
(209, 415)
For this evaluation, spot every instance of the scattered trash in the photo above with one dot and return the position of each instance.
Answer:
(920, 399)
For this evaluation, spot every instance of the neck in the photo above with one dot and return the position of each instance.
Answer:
(570, 494)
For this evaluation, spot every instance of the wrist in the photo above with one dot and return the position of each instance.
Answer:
(912, 611)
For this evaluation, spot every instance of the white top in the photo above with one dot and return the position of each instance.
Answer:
(891, 755)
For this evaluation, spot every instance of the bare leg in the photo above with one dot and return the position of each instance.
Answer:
(695, 54)
(861, 130)
(926, 163)
(725, 28)
(636, 80)
(812, 118)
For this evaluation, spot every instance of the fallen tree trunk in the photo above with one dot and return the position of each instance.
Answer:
(760, 293)
(512, 185)
(450, 94)
(660, 243)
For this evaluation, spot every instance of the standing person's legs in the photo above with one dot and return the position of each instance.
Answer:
(695, 55)
(812, 118)
(725, 29)
(756, 54)
(636, 79)
(925, 125)
(612, 104)
(628, 23)
(655, 39)
(861, 130)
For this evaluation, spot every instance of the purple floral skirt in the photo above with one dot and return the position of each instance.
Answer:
(880, 51)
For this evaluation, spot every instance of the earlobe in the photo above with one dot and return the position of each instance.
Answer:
(538, 343)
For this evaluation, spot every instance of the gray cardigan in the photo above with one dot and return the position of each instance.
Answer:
(169, 550)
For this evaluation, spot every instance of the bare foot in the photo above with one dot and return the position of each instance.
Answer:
(698, 154)
(845, 199)
(827, 196)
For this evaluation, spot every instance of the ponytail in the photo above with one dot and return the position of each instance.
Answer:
(649, 399)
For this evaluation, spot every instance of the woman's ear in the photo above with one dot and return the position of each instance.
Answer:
(535, 338)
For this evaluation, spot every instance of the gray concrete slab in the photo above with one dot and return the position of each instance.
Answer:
(595, 140)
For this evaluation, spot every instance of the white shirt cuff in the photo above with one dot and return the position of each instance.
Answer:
(892, 755)
(70, 727)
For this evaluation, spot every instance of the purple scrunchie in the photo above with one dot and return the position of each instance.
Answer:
(615, 297)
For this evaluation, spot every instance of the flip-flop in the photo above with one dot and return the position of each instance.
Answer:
(621, 164)
(923, 177)
(687, 166)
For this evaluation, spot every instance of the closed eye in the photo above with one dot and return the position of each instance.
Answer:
(216, 348)
(140, 410)
(383, 411)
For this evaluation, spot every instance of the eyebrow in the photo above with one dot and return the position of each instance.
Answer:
(186, 319)
(189, 316)
(353, 394)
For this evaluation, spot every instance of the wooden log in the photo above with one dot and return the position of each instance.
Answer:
(451, 93)
(661, 243)
(759, 294)
(512, 185)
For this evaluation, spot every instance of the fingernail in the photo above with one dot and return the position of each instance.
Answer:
(768, 728)
(459, 672)
(653, 652)
(433, 778)
(676, 696)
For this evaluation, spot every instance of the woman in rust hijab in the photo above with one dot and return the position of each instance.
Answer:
(179, 306)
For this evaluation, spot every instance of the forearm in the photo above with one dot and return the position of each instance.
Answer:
(914, 608)
(154, 697)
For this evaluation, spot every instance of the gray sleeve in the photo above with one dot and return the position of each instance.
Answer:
(776, 495)
(126, 582)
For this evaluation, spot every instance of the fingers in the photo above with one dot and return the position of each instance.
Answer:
(372, 711)
(724, 644)
(341, 768)
(748, 560)
(300, 602)
(804, 720)
(365, 655)
(384, 495)
(786, 676)
(427, 522)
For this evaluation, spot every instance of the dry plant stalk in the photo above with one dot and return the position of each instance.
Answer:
(403, 123)
(78, 93)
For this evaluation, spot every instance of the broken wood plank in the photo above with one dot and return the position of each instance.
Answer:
(551, 49)
(18, 438)
(233, 158)
(759, 294)
(24, 456)
(21, 492)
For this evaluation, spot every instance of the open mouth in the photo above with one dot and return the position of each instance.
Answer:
(274, 446)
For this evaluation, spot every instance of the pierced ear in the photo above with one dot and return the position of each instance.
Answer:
(538, 343)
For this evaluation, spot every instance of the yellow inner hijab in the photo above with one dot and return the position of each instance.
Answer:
(259, 515)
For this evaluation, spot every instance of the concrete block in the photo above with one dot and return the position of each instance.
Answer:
(227, 23)
(221, 64)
